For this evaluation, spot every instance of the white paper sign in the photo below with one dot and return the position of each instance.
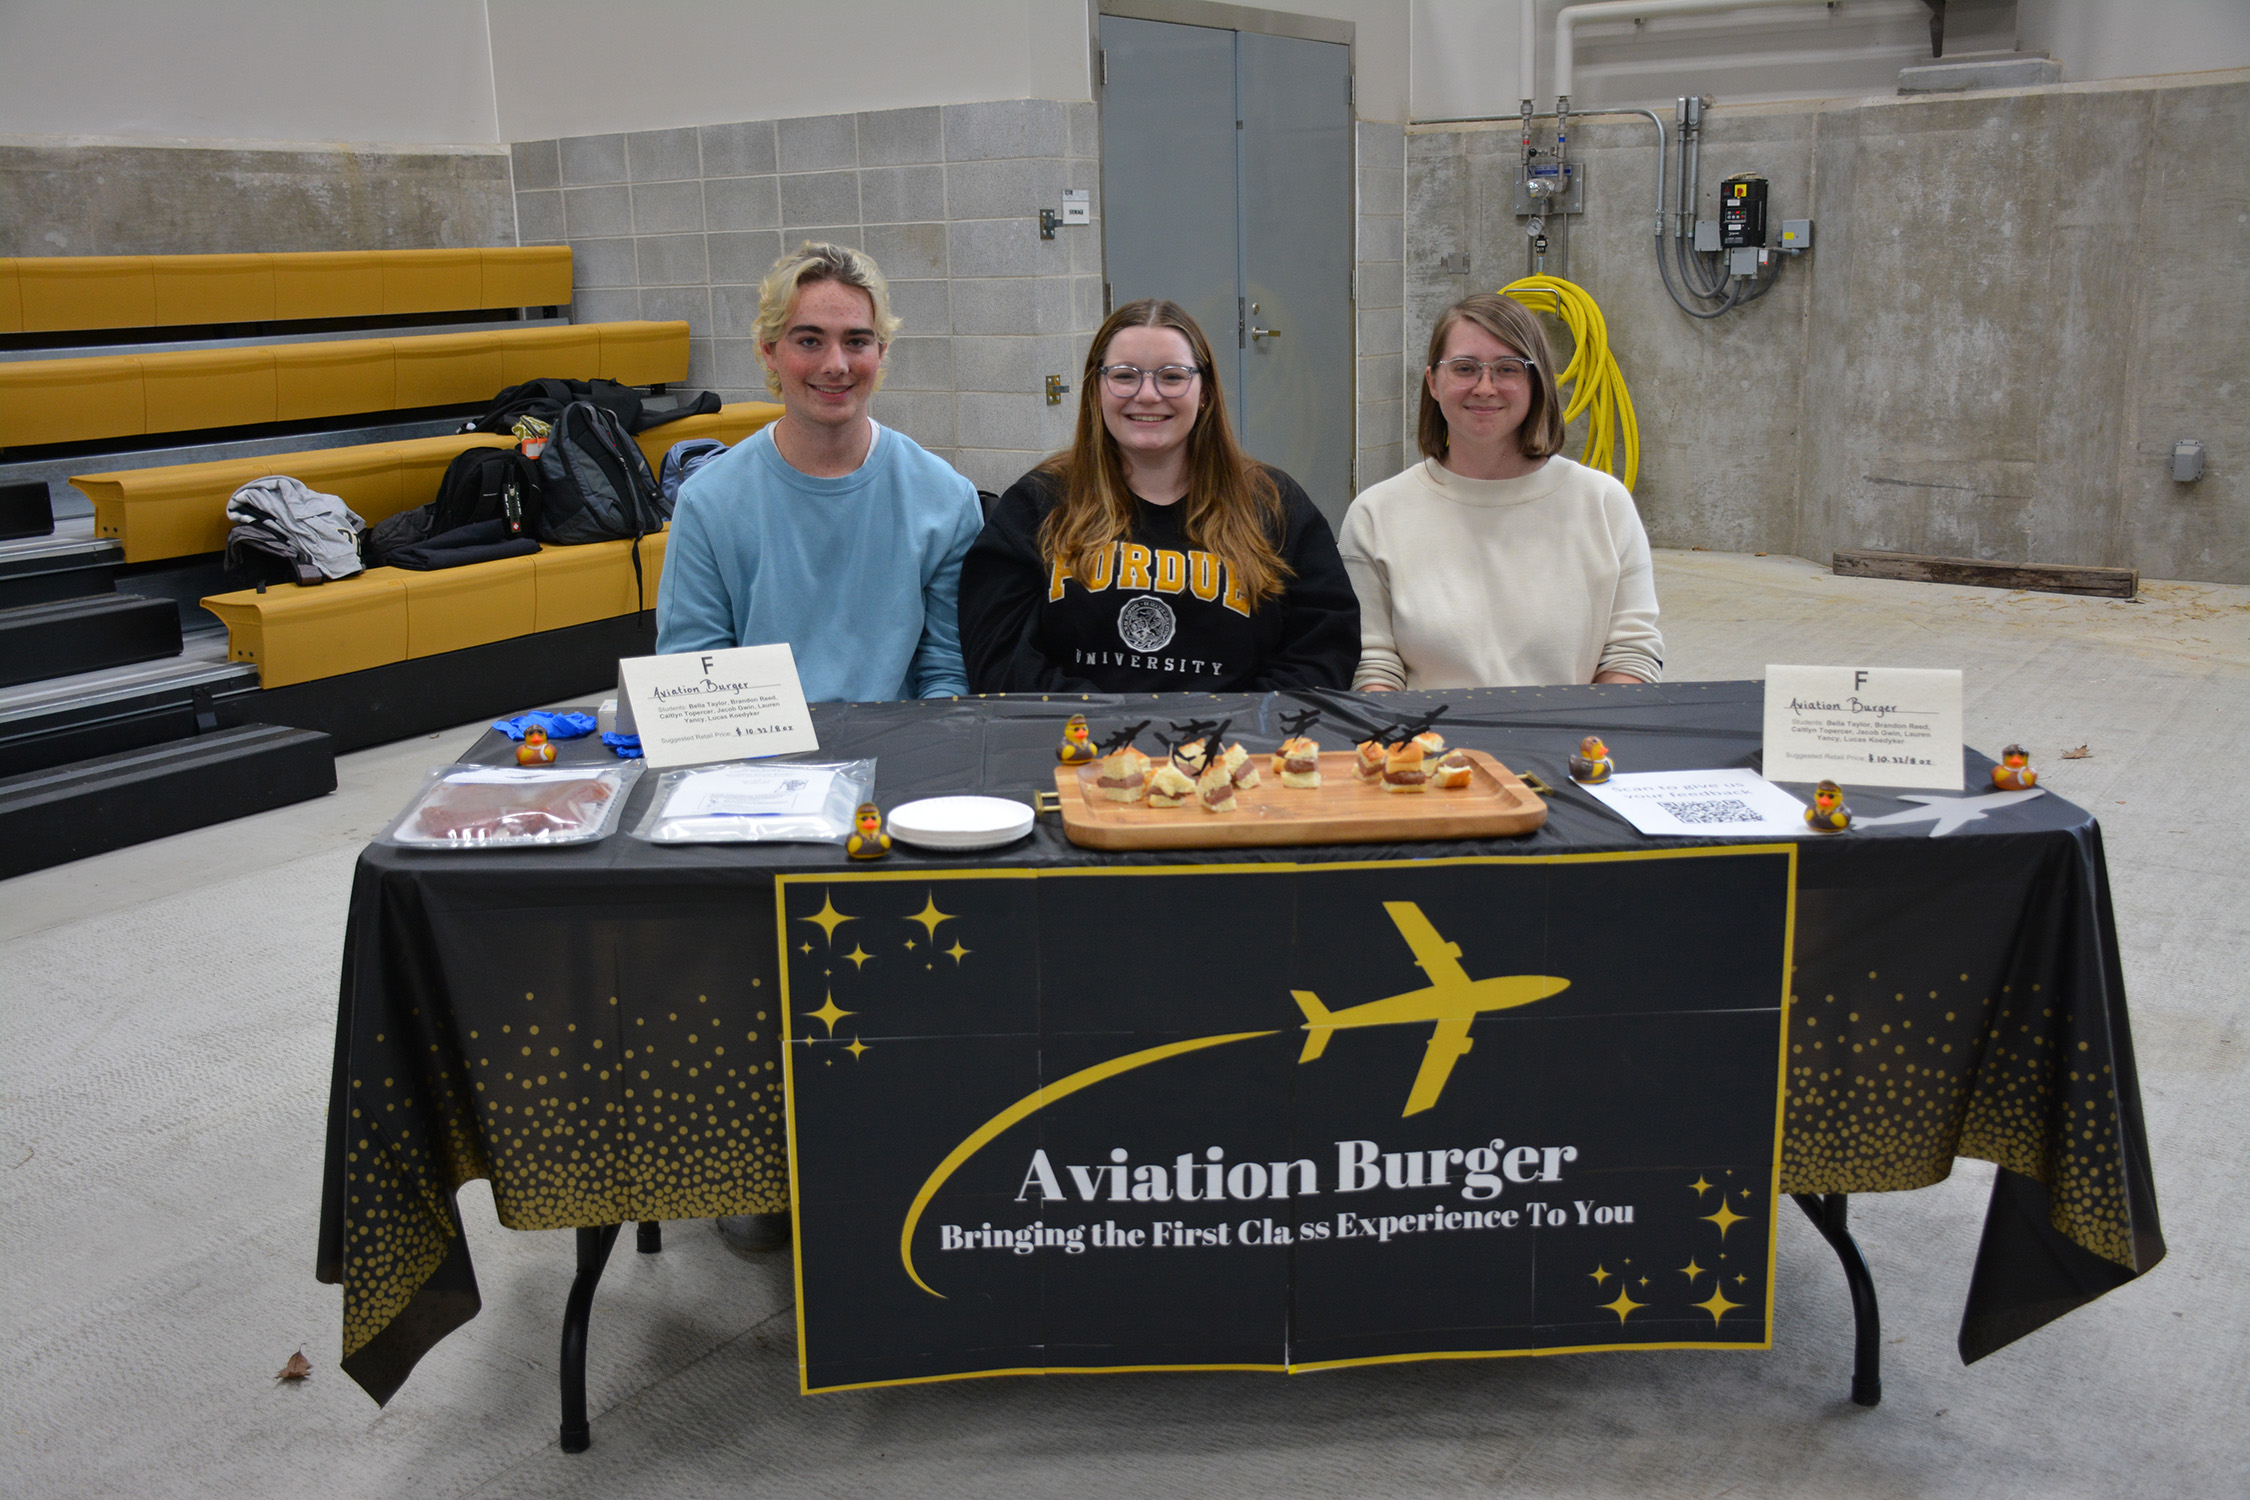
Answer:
(750, 792)
(1864, 726)
(732, 704)
(1702, 804)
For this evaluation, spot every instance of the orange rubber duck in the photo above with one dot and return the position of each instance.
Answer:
(1828, 814)
(867, 840)
(2014, 773)
(1591, 764)
(535, 750)
(1077, 745)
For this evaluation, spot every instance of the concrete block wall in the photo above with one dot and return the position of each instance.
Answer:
(2015, 302)
(1379, 300)
(683, 224)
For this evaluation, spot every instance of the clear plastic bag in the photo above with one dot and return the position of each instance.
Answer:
(758, 802)
(509, 807)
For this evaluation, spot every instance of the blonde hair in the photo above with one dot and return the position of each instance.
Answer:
(1519, 328)
(814, 261)
(1232, 508)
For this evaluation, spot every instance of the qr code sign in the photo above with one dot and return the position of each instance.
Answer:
(1718, 810)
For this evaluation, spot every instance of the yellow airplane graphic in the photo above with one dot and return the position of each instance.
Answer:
(1453, 1000)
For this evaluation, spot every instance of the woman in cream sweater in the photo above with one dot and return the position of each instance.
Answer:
(1495, 561)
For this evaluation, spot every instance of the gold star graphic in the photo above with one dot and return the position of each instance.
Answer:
(831, 1012)
(1726, 1218)
(1601, 1274)
(827, 919)
(1717, 1306)
(910, 944)
(1691, 1270)
(957, 952)
(1644, 1281)
(929, 916)
(1623, 1306)
(859, 956)
(1739, 1280)
(856, 1048)
(1701, 1187)
(804, 948)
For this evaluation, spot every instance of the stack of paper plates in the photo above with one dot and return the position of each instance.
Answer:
(959, 822)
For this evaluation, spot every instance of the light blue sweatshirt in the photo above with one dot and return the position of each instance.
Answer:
(860, 575)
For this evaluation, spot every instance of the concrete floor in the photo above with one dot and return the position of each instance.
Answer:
(166, 1016)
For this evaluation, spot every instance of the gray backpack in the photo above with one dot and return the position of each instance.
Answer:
(596, 483)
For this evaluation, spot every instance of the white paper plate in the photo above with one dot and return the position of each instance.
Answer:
(959, 822)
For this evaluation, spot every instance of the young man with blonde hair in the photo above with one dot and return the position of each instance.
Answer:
(825, 529)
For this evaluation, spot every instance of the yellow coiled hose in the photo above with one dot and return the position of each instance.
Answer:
(1592, 380)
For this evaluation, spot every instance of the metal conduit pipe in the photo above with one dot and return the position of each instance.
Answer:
(1602, 10)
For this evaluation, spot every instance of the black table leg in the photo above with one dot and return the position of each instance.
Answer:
(649, 1237)
(593, 1254)
(1827, 1212)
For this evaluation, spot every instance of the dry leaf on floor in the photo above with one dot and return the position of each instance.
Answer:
(2081, 753)
(297, 1368)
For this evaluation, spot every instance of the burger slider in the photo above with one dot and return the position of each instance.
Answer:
(1369, 767)
(1169, 786)
(1403, 772)
(1215, 788)
(1297, 763)
(1431, 741)
(1240, 766)
(1454, 771)
(1124, 775)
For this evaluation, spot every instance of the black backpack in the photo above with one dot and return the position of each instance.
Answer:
(598, 486)
(545, 399)
(481, 484)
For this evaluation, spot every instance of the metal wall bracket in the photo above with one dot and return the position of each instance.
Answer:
(1057, 388)
(1049, 222)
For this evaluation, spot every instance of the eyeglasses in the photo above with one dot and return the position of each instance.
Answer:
(1466, 372)
(1171, 380)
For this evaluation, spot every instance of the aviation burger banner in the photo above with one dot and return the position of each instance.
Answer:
(1283, 1117)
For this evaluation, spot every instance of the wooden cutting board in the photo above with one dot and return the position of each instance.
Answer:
(1342, 810)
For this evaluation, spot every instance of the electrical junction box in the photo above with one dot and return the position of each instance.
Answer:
(1707, 235)
(1796, 235)
(1742, 212)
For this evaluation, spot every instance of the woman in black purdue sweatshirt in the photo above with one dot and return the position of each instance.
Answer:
(1153, 557)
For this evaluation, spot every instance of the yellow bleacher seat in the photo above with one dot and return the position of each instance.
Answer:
(11, 298)
(327, 284)
(70, 400)
(296, 634)
(447, 369)
(186, 389)
(534, 352)
(578, 585)
(526, 276)
(454, 608)
(644, 353)
(339, 376)
(213, 288)
(431, 280)
(63, 292)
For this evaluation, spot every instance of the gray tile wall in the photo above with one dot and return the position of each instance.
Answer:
(1379, 278)
(681, 224)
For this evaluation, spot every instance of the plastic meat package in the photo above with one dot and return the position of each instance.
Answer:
(509, 807)
(758, 802)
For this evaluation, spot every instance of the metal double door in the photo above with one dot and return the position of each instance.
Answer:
(1227, 187)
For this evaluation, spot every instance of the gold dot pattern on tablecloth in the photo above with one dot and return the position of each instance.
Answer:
(1887, 1085)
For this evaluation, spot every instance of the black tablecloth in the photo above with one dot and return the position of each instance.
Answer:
(1954, 996)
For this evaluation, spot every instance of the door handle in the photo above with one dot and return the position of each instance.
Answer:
(1264, 333)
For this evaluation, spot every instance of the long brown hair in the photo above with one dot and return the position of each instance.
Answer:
(1518, 327)
(1232, 508)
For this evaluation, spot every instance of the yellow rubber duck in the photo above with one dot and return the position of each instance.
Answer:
(868, 841)
(2014, 773)
(535, 750)
(1077, 745)
(1591, 764)
(1828, 813)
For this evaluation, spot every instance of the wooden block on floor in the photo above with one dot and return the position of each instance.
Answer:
(214, 288)
(294, 634)
(2048, 578)
(454, 608)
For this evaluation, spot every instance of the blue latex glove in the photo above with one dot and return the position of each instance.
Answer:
(557, 726)
(627, 746)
